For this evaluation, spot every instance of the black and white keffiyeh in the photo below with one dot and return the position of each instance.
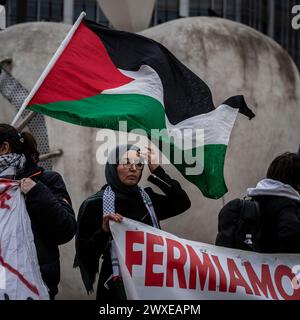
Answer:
(12, 164)
(109, 207)
(116, 185)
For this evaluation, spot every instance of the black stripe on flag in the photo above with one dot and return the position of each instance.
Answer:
(185, 94)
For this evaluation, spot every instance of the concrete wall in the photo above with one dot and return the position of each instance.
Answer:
(231, 58)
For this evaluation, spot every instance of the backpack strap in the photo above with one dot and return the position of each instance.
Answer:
(250, 209)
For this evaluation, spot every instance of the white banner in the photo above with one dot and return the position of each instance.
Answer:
(158, 265)
(20, 276)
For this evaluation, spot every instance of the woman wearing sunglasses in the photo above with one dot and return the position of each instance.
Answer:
(122, 197)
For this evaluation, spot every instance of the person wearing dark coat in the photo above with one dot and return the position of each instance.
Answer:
(47, 201)
(93, 234)
(279, 201)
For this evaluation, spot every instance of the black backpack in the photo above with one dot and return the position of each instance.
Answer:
(239, 225)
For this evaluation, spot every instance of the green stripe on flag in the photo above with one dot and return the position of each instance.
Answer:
(140, 112)
(211, 181)
(106, 110)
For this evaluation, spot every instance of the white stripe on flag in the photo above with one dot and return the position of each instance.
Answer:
(216, 125)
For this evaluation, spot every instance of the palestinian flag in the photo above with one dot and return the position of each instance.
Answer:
(104, 76)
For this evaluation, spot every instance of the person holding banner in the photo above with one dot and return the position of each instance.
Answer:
(47, 201)
(122, 196)
(279, 199)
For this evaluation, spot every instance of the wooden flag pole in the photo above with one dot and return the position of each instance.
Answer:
(52, 62)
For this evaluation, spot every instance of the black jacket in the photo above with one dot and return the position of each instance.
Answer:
(92, 242)
(52, 220)
(280, 224)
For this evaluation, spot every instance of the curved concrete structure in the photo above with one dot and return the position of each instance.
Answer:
(231, 58)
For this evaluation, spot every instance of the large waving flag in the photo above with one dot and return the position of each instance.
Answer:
(104, 76)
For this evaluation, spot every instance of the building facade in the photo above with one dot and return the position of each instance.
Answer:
(271, 17)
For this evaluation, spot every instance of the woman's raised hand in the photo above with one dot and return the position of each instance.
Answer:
(150, 157)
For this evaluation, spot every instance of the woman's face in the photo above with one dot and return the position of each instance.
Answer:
(130, 168)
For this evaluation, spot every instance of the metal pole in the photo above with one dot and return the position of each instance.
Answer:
(260, 16)
(50, 155)
(224, 8)
(2, 18)
(25, 121)
(271, 19)
(38, 18)
(68, 11)
(254, 14)
(97, 12)
(287, 25)
(282, 27)
(184, 8)
(238, 10)
(293, 40)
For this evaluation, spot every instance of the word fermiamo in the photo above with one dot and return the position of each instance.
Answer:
(221, 277)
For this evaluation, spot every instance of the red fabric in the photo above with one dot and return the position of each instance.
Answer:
(84, 69)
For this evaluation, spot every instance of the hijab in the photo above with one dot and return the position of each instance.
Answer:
(111, 172)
